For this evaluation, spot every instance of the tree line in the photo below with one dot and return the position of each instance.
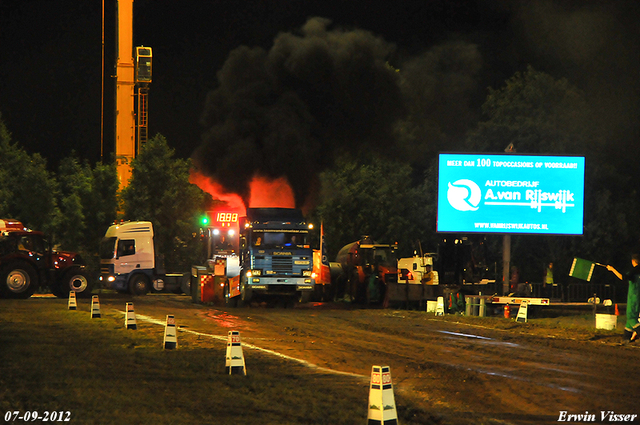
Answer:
(392, 198)
(76, 204)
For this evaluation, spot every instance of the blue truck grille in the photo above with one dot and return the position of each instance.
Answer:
(282, 265)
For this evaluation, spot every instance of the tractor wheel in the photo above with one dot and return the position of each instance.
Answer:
(18, 280)
(77, 280)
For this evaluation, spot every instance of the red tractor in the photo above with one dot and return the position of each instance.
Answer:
(27, 263)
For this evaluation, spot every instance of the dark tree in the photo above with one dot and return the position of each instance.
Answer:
(160, 192)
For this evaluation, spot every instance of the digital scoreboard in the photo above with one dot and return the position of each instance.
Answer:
(226, 217)
(511, 193)
(222, 233)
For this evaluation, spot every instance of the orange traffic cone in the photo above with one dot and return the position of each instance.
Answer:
(617, 312)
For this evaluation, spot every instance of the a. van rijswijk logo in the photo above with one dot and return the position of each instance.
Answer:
(465, 195)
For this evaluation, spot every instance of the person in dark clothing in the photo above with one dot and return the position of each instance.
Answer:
(632, 326)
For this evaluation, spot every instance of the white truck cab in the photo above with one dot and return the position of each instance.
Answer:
(128, 260)
(417, 270)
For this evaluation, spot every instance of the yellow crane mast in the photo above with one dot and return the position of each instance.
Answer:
(131, 129)
(125, 82)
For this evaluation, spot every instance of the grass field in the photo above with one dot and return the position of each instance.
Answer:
(53, 359)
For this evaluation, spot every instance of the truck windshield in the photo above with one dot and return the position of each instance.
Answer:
(284, 239)
(108, 248)
(382, 257)
(31, 243)
(7, 245)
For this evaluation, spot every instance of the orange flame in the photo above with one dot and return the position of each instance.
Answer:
(215, 189)
(266, 193)
(263, 192)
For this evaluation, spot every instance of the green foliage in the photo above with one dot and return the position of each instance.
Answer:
(437, 89)
(74, 186)
(160, 192)
(540, 114)
(611, 216)
(74, 209)
(87, 205)
(27, 189)
(371, 196)
(102, 203)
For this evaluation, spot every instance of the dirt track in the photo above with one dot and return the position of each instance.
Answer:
(460, 370)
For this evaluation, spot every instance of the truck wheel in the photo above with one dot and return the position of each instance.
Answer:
(229, 301)
(18, 280)
(77, 280)
(185, 285)
(139, 285)
(245, 295)
(304, 297)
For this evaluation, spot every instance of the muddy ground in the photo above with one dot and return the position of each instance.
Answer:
(458, 369)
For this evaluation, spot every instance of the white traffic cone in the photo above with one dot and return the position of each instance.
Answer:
(95, 307)
(170, 338)
(382, 405)
(440, 307)
(234, 363)
(130, 317)
(73, 305)
(522, 311)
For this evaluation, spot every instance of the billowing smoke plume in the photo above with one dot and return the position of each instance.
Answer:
(287, 111)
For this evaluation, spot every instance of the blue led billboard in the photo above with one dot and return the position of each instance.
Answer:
(509, 193)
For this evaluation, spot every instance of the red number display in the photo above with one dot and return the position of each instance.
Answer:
(226, 217)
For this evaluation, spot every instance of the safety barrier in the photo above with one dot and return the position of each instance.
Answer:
(475, 306)
(95, 307)
(73, 304)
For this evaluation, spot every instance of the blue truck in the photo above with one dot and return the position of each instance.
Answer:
(276, 258)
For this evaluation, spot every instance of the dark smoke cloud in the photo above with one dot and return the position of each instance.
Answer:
(289, 110)
(439, 86)
(596, 45)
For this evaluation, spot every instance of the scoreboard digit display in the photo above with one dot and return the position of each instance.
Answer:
(226, 217)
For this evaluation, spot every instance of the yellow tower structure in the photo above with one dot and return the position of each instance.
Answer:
(143, 79)
(125, 127)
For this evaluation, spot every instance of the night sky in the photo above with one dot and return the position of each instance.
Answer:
(50, 57)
